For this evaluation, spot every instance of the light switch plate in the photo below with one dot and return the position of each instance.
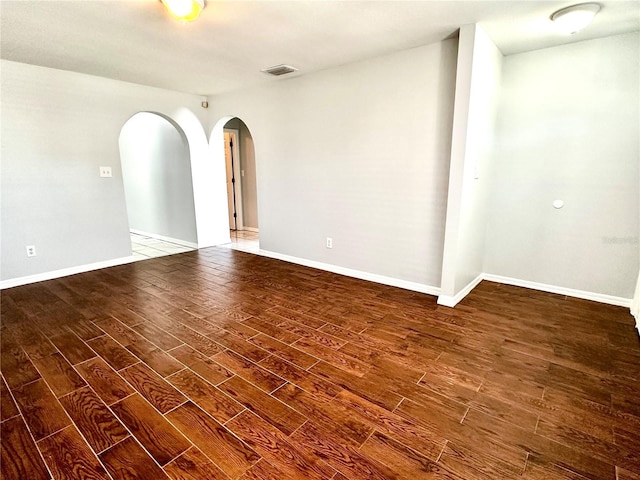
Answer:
(105, 172)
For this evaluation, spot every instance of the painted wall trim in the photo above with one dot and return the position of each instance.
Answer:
(249, 229)
(177, 241)
(453, 300)
(372, 277)
(570, 292)
(64, 272)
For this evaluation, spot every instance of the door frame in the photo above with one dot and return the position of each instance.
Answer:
(237, 185)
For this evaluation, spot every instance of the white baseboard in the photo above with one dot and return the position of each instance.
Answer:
(372, 277)
(177, 241)
(250, 229)
(41, 277)
(570, 292)
(452, 301)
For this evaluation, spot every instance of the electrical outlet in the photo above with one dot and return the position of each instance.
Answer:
(329, 242)
(31, 251)
(105, 172)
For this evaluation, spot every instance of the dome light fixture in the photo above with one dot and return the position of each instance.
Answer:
(576, 17)
(184, 10)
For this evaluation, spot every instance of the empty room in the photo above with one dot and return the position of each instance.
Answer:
(319, 239)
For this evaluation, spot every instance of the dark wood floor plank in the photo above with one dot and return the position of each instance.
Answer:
(333, 357)
(217, 404)
(271, 329)
(157, 435)
(74, 349)
(157, 336)
(112, 352)
(427, 442)
(239, 345)
(193, 465)
(157, 391)
(568, 457)
(125, 336)
(59, 374)
(263, 470)
(20, 459)
(109, 386)
(70, 458)
(301, 378)
(251, 372)
(623, 474)
(404, 462)
(272, 410)
(85, 329)
(297, 357)
(511, 383)
(230, 454)
(192, 338)
(374, 391)
(332, 416)
(475, 463)
(275, 448)
(127, 460)
(95, 421)
(16, 367)
(41, 410)
(304, 319)
(8, 407)
(625, 457)
(162, 363)
(343, 457)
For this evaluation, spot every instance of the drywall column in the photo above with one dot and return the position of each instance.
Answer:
(477, 86)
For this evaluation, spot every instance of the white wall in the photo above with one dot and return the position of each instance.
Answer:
(476, 102)
(248, 176)
(156, 171)
(568, 129)
(249, 179)
(359, 153)
(58, 128)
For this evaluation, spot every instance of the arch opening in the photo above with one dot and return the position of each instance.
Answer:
(157, 178)
(233, 145)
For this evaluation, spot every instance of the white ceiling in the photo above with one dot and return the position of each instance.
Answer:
(225, 49)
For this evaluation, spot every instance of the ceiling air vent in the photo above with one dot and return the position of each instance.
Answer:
(280, 70)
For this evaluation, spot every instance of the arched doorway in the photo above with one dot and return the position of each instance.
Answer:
(157, 179)
(241, 183)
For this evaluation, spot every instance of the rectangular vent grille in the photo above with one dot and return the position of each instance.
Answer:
(280, 70)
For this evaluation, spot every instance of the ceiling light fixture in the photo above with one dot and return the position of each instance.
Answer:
(576, 17)
(184, 10)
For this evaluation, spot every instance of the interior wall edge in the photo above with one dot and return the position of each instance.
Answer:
(64, 272)
(570, 292)
(349, 272)
(453, 300)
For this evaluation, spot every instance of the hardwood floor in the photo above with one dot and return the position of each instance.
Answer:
(217, 364)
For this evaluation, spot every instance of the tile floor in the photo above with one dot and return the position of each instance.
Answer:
(244, 240)
(147, 247)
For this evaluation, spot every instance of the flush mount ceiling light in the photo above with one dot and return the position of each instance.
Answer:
(576, 17)
(184, 10)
